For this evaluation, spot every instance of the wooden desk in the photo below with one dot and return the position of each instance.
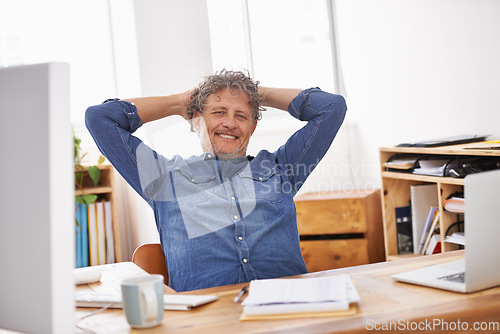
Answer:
(382, 301)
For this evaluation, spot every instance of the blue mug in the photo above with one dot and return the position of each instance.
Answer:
(143, 300)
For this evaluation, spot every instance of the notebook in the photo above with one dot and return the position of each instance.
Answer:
(480, 269)
(107, 291)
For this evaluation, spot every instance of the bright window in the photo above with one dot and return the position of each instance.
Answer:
(284, 43)
(78, 33)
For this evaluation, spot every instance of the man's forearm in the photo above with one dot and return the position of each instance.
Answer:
(157, 107)
(278, 98)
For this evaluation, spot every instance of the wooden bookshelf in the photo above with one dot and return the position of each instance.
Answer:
(105, 191)
(396, 188)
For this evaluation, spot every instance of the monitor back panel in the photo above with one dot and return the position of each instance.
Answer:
(482, 230)
(37, 223)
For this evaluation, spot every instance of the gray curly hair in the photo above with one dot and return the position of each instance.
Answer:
(212, 84)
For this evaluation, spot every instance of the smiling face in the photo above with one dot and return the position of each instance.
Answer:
(226, 124)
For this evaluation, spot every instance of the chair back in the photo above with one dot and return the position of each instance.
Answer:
(150, 257)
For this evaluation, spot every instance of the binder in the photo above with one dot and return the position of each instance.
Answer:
(404, 230)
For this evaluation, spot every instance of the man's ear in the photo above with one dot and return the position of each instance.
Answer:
(196, 121)
(254, 126)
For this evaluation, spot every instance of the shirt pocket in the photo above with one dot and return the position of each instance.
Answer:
(193, 189)
(263, 185)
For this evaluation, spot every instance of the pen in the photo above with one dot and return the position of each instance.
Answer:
(242, 292)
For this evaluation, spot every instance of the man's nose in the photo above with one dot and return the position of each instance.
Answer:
(229, 121)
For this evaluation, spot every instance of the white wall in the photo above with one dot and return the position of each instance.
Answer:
(418, 69)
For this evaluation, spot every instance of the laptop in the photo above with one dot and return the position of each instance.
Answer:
(480, 269)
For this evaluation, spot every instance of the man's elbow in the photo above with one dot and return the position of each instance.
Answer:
(93, 116)
(337, 107)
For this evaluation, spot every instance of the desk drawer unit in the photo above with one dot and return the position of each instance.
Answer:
(340, 229)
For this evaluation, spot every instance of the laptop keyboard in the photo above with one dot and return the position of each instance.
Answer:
(458, 277)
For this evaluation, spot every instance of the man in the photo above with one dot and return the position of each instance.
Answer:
(222, 217)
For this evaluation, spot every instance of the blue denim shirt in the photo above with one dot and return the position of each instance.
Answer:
(222, 221)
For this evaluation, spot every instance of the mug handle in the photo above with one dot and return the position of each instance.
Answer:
(150, 303)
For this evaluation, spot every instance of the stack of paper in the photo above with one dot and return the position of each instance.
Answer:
(295, 297)
(432, 167)
(455, 204)
(456, 238)
(407, 163)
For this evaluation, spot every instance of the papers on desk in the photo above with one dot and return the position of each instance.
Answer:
(296, 297)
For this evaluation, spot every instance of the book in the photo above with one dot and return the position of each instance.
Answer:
(92, 228)
(434, 245)
(425, 232)
(433, 228)
(423, 197)
(110, 243)
(295, 297)
(78, 238)
(84, 235)
(404, 229)
(101, 233)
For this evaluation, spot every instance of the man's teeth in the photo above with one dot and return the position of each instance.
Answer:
(226, 136)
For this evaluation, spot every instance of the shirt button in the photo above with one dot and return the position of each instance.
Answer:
(245, 260)
(240, 238)
(192, 180)
(227, 179)
(232, 197)
(209, 156)
(260, 179)
(235, 217)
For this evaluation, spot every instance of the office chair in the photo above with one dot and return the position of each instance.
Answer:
(150, 257)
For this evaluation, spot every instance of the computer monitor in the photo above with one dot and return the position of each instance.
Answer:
(37, 223)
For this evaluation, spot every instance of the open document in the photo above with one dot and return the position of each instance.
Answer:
(295, 297)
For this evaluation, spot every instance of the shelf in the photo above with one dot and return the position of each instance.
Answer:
(397, 188)
(463, 149)
(422, 178)
(94, 190)
(106, 190)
